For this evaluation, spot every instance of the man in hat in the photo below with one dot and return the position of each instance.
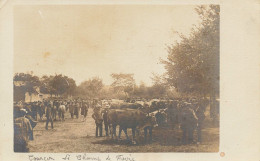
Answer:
(98, 119)
(71, 105)
(23, 130)
(84, 110)
(76, 109)
(49, 115)
(105, 112)
(160, 117)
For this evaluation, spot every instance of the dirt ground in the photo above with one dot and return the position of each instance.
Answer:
(77, 136)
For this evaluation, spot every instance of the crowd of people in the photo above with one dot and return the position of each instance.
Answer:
(188, 114)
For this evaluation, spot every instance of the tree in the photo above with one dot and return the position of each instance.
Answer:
(58, 85)
(72, 86)
(123, 83)
(46, 86)
(159, 87)
(91, 88)
(140, 91)
(193, 63)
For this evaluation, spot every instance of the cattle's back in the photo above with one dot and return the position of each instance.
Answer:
(125, 117)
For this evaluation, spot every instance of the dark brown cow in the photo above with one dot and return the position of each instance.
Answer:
(126, 106)
(126, 118)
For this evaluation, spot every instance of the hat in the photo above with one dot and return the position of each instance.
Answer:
(23, 111)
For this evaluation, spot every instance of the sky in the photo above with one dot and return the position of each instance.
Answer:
(85, 41)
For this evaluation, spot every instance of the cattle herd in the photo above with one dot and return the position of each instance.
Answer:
(139, 115)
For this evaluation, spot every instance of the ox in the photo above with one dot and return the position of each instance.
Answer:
(61, 112)
(128, 118)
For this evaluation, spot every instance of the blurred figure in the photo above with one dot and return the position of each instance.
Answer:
(160, 118)
(84, 110)
(71, 109)
(23, 132)
(105, 112)
(172, 113)
(62, 110)
(189, 122)
(76, 109)
(200, 113)
(49, 115)
(98, 120)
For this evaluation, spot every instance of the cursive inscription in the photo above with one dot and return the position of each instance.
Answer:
(85, 157)
(36, 158)
(124, 158)
(67, 157)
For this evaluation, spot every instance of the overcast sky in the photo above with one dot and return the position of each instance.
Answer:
(86, 41)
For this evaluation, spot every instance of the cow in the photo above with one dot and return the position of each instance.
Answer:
(126, 106)
(148, 127)
(61, 112)
(131, 106)
(126, 118)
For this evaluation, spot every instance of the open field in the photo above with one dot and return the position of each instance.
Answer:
(74, 135)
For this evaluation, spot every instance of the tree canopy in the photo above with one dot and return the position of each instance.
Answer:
(193, 63)
(123, 83)
(54, 85)
(91, 88)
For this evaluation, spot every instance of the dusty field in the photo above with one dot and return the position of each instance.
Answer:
(74, 135)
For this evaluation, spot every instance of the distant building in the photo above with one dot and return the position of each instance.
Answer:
(20, 93)
(35, 97)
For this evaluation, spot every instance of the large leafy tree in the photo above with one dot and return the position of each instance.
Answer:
(159, 87)
(72, 86)
(91, 88)
(54, 85)
(58, 85)
(46, 86)
(123, 83)
(193, 63)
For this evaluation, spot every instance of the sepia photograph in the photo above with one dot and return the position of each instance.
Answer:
(116, 78)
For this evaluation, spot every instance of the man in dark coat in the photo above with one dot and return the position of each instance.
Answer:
(76, 109)
(98, 119)
(71, 108)
(105, 120)
(84, 110)
(49, 115)
(23, 130)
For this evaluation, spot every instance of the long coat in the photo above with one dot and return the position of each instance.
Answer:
(23, 132)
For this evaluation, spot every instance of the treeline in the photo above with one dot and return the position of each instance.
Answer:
(55, 85)
(123, 87)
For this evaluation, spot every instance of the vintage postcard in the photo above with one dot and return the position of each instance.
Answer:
(129, 81)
